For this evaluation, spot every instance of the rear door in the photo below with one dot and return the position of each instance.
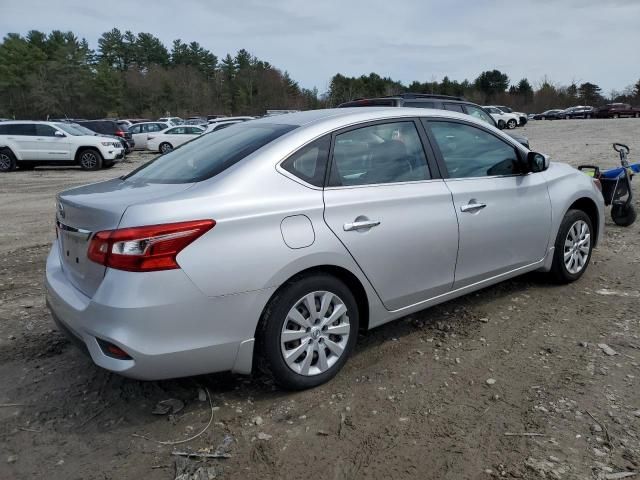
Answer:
(23, 135)
(504, 216)
(386, 204)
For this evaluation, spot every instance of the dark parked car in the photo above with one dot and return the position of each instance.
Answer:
(616, 110)
(580, 111)
(110, 127)
(439, 102)
(549, 114)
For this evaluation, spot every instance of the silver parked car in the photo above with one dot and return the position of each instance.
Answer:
(273, 242)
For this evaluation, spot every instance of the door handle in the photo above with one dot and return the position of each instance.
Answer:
(349, 227)
(472, 207)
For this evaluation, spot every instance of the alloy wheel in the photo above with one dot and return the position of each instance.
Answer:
(5, 162)
(315, 333)
(165, 148)
(577, 246)
(89, 160)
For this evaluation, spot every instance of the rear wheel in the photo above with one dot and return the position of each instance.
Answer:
(637, 115)
(501, 124)
(308, 331)
(165, 147)
(7, 161)
(615, 115)
(623, 215)
(90, 159)
(543, 118)
(573, 247)
(512, 123)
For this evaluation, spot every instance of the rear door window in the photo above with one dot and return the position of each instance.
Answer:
(378, 154)
(22, 129)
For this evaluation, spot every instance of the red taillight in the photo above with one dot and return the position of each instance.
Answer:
(119, 133)
(145, 249)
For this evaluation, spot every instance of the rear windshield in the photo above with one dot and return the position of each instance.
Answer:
(209, 154)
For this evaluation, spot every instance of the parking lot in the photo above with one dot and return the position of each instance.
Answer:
(507, 382)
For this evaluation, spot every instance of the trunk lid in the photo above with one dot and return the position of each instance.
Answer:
(83, 211)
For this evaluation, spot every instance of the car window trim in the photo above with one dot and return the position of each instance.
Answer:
(427, 121)
(434, 171)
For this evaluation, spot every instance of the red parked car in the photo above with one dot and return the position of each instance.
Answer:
(617, 110)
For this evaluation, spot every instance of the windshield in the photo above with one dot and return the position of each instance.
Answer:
(208, 155)
(71, 129)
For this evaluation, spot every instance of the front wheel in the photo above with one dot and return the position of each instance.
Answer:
(573, 247)
(623, 215)
(165, 147)
(512, 124)
(308, 331)
(616, 116)
(90, 160)
(501, 124)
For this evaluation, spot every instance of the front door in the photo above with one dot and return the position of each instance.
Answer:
(504, 216)
(394, 218)
(50, 147)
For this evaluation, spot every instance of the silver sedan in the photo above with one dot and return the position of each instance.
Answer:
(273, 242)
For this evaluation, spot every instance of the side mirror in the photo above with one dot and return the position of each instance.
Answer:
(537, 162)
(58, 133)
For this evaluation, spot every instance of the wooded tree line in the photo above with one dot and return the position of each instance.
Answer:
(57, 74)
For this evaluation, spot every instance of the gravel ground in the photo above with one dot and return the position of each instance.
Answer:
(447, 393)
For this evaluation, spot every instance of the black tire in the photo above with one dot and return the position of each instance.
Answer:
(623, 215)
(511, 124)
(501, 124)
(269, 354)
(7, 161)
(559, 271)
(90, 159)
(615, 115)
(165, 147)
(543, 118)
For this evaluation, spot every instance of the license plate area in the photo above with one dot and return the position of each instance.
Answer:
(73, 247)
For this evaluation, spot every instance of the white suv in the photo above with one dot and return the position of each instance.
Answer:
(27, 144)
(503, 119)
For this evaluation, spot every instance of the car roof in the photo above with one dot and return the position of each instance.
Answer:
(338, 117)
(45, 122)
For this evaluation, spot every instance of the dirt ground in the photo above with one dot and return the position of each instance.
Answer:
(416, 400)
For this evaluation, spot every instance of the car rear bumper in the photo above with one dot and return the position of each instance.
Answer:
(167, 326)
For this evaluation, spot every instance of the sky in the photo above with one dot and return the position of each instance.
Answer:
(562, 40)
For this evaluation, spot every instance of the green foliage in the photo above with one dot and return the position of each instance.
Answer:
(57, 75)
